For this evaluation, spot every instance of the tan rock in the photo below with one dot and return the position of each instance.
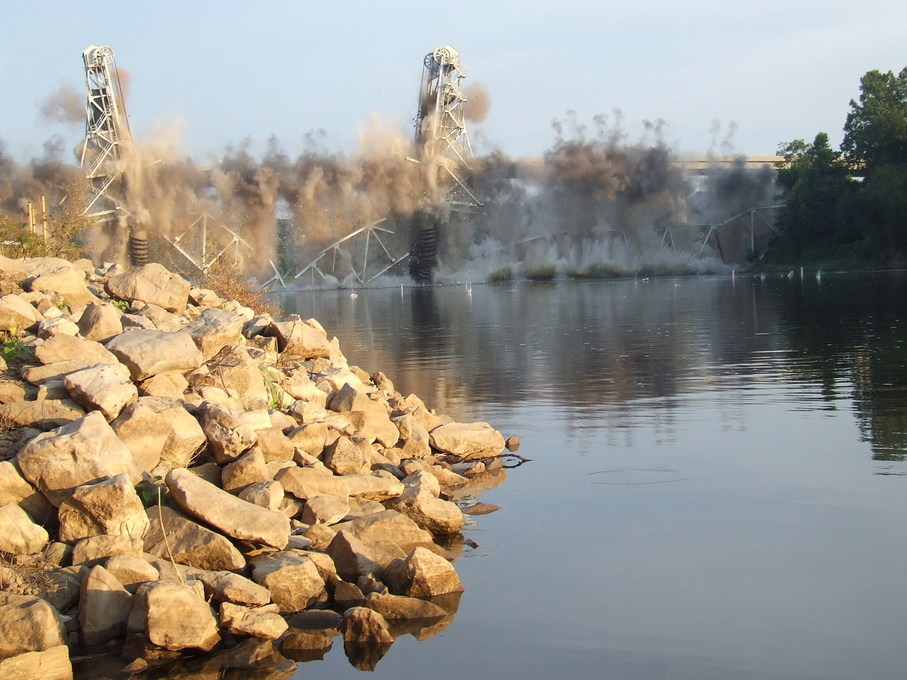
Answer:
(214, 330)
(438, 516)
(100, 321)
(80, 452)
(248, 469)
(189, 543)
(262, 622)
(348, 456)
(50, 664)
(422, 574)
(396, 607)
(104, 606)
(304, 339)
(110, 507)
(292, 579)
(19, 535)
(389, 525)
(28, 624)
(159, 428)
(15, 489)
(69, 348)
(324, 510)
(46, 414)
(467, 440)
(268, 494)
(228, 438)
(173, 616)
(131, 571)
(361, 624)
(95, 548)
(16, 314)
(225, 586)
(309, 482)
(106, 388)
(229, 514)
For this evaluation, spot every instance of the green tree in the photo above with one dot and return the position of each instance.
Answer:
(815, 179)
(875, 132)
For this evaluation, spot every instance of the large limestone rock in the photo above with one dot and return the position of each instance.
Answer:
(397, 607)
(348, 456)
(159, 428)
(376, 486)
(14, 489)
(292, 579)
(367, 415)
(151, 284)
(229, 514)
(93, 549)
(104, 606)
(389, 525)
(189, 543)
(467, 440)
(248, 469)
(351, 557)
(361, 624)
(28, 624)
(51, 664)
(422, 574)
(64, 280)
(106, 388)
(16, 314)
(415, 440)
(46, 414)
(308, 482)
(131, 571)
(214, 330)
(228, 436)
(69, 348)
(261, 622)
(111, 507)
(268, 494)
(173, 616)
(429, 512)
(149, 352)
(303, 339)
(81, 452)
(225, 586)
(100, 321)
(19, 535)
(235, 372)
(310, 438)
(324, 510)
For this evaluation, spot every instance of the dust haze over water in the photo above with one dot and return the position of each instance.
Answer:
(595, 203)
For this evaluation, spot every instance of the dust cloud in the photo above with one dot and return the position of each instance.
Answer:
(595, 203)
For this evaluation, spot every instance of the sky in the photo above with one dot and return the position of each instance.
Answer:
(208, 76)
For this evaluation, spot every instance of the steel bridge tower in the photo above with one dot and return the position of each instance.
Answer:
(444, 148)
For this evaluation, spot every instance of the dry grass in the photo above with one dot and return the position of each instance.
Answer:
(230, 284)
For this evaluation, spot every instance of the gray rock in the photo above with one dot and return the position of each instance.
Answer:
(148, 352)
(152, 284)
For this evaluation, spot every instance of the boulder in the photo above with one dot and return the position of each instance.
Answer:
(82, 452)
(377, 486)
(225, 586)
(308, 482)
(151, 284)
(429, 512)
(100, 321)
(229, 514)
(268, 494)
(96, 548)
(415, 440)
(237, 373)
(46, 414)
(310, 438)
(292, 579)
(422, 574)
(248, 469)
(351, 557)
(14, 489)
(104, 606)
(397, 607)
(65, 281)
(228, 437)
(275, 445)
(262, 622)
(106, 388)
(173, 616)
(361, 624)
(348, 456)
(28, 624)
(214, 329)
(69, 348)
(303, 339)
(48, 328)
(16, 314)
(324, 510)
(50, 664)
(131, 571)
(159, 428)
(149, 352)
(389, 525)
(467, 440)
(189, 543)
(19, 535)
(110, 507)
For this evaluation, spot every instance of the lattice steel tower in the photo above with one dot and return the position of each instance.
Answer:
(106, 131)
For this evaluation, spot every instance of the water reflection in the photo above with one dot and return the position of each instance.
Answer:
(582, 346)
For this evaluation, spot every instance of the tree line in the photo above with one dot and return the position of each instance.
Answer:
(849, 207)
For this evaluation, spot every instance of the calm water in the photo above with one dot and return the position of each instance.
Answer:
(717, 482)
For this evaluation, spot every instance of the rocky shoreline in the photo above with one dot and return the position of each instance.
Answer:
(184, 480)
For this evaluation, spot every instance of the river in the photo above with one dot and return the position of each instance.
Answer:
(717, 480)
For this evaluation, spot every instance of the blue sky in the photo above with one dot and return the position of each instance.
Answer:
(214, 74)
